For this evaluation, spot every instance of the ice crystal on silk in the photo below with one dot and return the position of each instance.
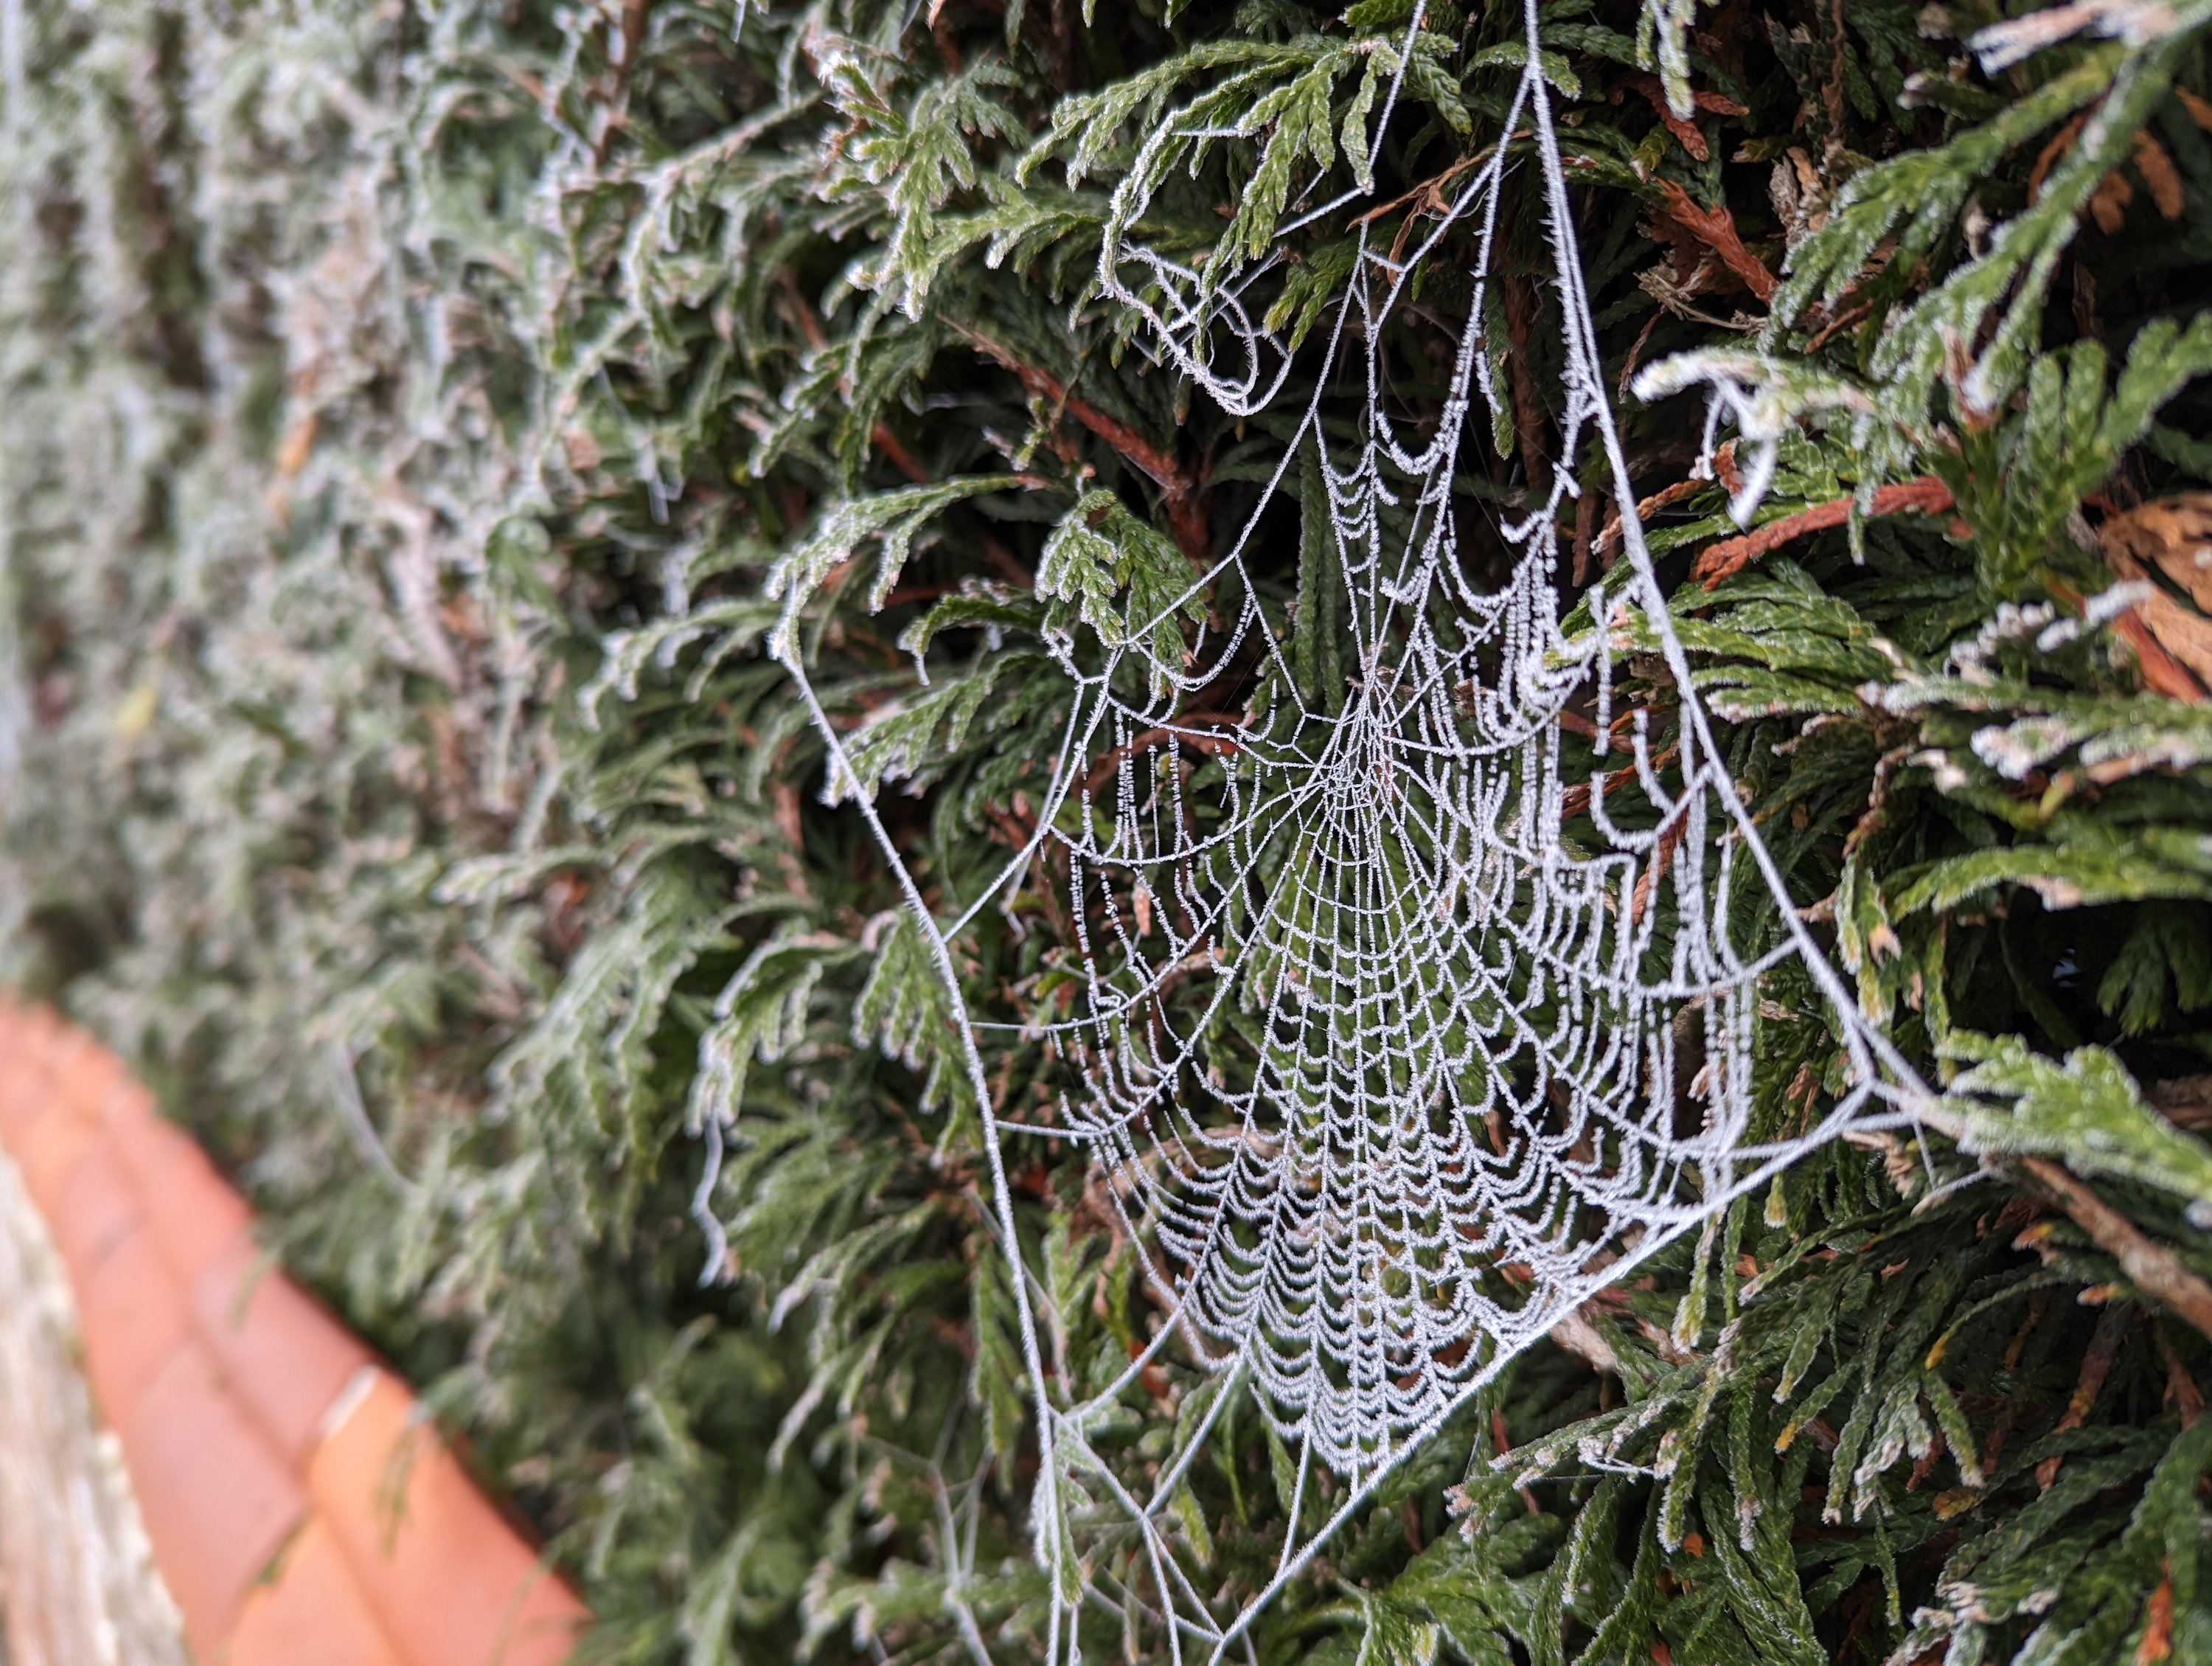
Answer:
(1384, 1073)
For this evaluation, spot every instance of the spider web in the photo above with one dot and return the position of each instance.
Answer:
(1383, 1073)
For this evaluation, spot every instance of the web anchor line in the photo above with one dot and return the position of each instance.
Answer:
(1384, 1072)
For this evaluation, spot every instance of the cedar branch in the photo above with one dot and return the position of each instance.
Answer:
(1685, 132)
(1180, 487)
(2151, 1267)
(1926, 495)
(1716, 229)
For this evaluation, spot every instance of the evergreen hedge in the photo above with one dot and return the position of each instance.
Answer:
(406, 409)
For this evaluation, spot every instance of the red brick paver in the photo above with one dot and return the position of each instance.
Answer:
(311, 1611)
(302, 1511)
(218, 1503)
(421, 1569)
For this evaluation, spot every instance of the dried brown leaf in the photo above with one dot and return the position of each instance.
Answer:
(2160, 174)
(2173, 535)
(2109, 207)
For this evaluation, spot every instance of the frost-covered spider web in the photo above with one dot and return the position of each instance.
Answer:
(1382, 1070)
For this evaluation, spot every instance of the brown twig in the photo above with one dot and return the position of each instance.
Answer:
(1576, 799)
(1066, 60)
(2153, 1268)
(1103, 770)
(2180, 1387)
(2096, 1367)
(881, 435)
(2184, 1101)
(2157, 1643)
(2054, 149)
(618, 104)
(1926, 495)
(1662, 858)
(2162, 673)
(1586, 508)
(1006, 563)
(888, 443)
(809, 326)
(1842, 320)
(1186, 518)
(1528, 410)
(1432, 190)
(1497, 1436)
(1725, 470)
(941, 33)
(1645, 508)
(1574, 1332)
(1831, 95)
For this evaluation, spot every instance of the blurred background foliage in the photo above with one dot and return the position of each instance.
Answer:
(404, 407)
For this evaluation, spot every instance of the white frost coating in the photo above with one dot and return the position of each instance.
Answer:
(1482, 1073)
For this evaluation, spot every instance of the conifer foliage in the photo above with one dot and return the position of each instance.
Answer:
(414, 417)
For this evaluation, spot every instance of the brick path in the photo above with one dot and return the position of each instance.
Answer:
(299, 1509)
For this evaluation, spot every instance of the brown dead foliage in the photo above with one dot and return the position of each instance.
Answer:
(2167, 543)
